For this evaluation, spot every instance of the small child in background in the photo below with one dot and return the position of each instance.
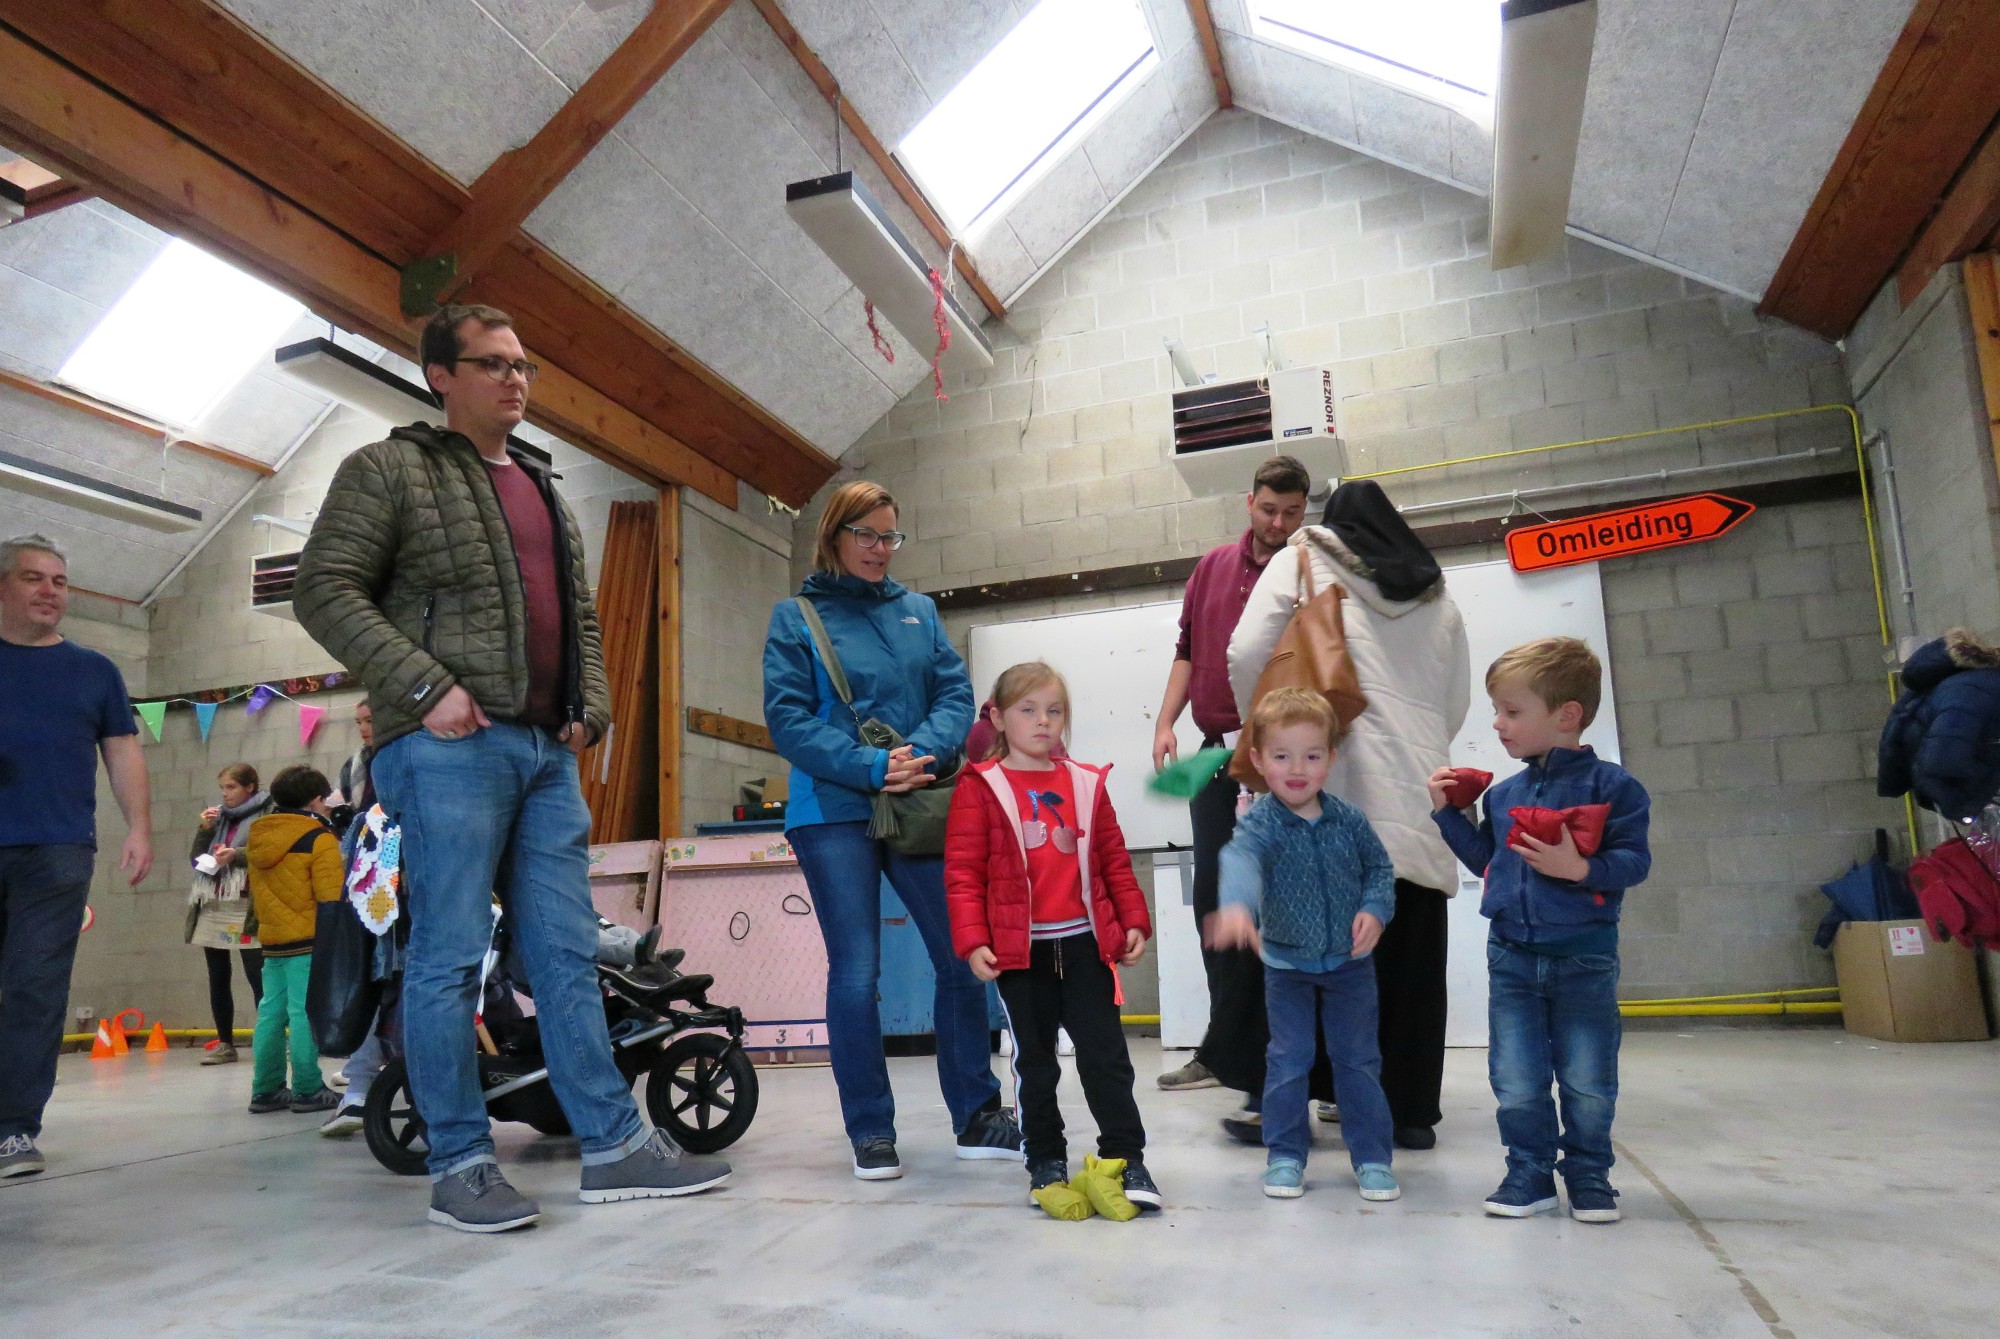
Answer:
(1042, 899)
(1307, 883)
(1552, 952)
(295, 865)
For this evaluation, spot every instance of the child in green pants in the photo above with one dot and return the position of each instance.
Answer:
(294, 861)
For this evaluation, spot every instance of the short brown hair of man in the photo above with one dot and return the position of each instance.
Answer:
(298, 786)
(849, 503)
(1282, 474)
(443, 345)
(1294, 706)
(1556, 670)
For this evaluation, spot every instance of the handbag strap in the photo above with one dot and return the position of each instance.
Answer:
(1306, 574)
(827, 655)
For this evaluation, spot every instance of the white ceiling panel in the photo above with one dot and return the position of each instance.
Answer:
(1050, 217)
(941, 50)
(849, 38)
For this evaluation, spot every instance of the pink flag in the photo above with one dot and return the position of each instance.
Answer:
(308, 722)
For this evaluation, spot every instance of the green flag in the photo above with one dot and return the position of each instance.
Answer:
(1186, 779)
(154, 714)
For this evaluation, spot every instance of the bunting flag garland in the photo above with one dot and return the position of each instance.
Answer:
(260, 698)
(154, 714)
(255, 697)
(204, 716)
(308, 722)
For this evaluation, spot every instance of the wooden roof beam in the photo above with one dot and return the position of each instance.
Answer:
(151, 170)
(1964, 223)
(1211, 51)
(29, 190)
(520, 179)
(900, 181)
(1934, 99)
(97, 409)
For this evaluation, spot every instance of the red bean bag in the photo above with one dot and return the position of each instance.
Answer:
(1466, 786)
(1585, 822)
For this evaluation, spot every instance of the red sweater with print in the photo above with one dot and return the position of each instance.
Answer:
(986, 868)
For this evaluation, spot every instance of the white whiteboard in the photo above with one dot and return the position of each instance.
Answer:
(1116, 662)
(1503, 608)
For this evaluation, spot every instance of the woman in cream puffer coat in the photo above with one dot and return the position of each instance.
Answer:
(1407, 641)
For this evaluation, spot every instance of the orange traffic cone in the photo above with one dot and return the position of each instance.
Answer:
(100, 1047)
(158, 1040)
(118, 1043)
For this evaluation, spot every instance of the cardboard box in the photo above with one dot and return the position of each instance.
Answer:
(1897, 983)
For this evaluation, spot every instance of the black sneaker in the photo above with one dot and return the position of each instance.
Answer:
(875, 1160)
(1418, 1137)
(326, 1099)
(1245, 1127)
(1139, 1188)
(990, 1134)
(263, 1104)
(1043, 1174)
(1523, 1195)
(1593, 1201)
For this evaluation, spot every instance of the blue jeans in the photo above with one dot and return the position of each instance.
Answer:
(42, 891)
(499, 811)
(844, 866)
(1345, 1002)
(1553, 1020)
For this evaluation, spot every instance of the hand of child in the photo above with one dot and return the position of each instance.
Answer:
(1232, 927)
(1439, 781)
(983, 963)
(1366, 932)
(1135, 948)
(1556, 860)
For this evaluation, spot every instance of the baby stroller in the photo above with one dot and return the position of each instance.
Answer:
(701, 1088)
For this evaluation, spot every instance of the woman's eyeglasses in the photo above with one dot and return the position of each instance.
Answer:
(868, 537)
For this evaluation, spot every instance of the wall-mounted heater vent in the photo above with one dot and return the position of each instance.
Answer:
(272, 576)
(1224, 430)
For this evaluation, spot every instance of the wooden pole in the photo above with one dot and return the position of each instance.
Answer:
(668, 594)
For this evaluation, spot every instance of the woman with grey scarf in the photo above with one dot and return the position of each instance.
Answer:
(217, 856)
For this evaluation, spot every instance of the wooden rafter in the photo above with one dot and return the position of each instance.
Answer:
(1211, 51)
(900, 181)
(152, 171)
(1963, 223)
(83, 404)
(28, 190)
(231, 96)
(520, 179)
(1935, 97)
(670, 628)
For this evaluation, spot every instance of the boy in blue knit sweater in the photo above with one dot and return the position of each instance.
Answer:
(1307, 883)
(1552, 951)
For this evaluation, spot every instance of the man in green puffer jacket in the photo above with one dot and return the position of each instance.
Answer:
(445, 571)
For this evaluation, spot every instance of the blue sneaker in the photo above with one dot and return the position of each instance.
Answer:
(1593, 1201)
(1377, 1181)
(1523, 1195)
(1285, 1179)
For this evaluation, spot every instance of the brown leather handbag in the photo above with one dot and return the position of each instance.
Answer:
(1312, 653)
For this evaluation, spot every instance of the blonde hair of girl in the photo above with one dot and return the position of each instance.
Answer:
(1016, 682)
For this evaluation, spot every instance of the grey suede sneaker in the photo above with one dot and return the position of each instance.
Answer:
(657, 1169)
(19, 1157)
(478, 1199)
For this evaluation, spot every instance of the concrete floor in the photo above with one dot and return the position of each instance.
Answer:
(1785, 1183)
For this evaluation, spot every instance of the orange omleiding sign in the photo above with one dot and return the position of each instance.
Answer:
(1629, 530)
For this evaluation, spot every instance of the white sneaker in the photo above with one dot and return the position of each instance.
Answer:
(345, 1121)
(1064, 1046)
(336, 1080)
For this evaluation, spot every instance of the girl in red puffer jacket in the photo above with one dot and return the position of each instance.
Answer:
(1042, 899)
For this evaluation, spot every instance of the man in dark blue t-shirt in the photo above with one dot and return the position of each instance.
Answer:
(60, 705)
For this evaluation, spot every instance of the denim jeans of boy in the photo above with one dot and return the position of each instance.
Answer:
(1345, 1003)
(282, 1026)
(1554, 1021)
(42, 892)
(844, 866)
(500, 810)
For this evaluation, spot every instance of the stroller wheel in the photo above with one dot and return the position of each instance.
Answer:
(391, 1125)
(702, 1091)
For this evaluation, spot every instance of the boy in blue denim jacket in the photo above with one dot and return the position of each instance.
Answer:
(1552, 952)
(1307, 883)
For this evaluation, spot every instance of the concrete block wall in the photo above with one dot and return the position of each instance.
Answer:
(1058, 457)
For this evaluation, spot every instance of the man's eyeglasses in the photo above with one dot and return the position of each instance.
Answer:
(496, 367)
(868, 537)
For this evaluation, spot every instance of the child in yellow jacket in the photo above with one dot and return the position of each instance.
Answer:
(294, 862)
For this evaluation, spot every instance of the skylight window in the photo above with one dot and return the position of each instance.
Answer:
(183, 335)
(1445, 49)
(1060, 71)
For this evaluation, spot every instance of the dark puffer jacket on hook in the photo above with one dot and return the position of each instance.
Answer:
(1942, 740)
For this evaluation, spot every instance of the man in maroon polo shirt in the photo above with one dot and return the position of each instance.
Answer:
(1232, 1053)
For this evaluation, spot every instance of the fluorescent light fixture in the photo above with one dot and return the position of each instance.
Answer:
(182, 336)
(1447, 50)
(374, 390)
(71, 489)
(1057, 74)
(840, 215)
(1537, 120)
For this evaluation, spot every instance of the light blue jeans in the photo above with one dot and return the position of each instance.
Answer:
(500, 811)
(1554, 1020)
